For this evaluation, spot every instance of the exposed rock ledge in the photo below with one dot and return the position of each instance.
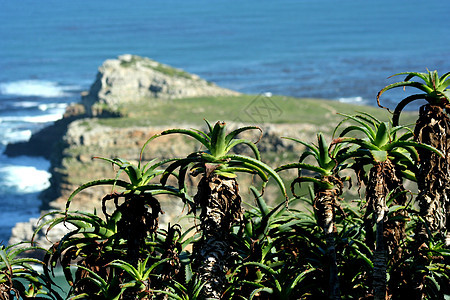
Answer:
(132, 78)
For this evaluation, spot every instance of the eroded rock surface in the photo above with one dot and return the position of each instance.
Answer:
(131, 78)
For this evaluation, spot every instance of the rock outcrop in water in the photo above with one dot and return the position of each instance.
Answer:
(131, 78)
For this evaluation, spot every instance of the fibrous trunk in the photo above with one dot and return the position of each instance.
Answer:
(325, 202)
(140, 213)
(383, 183)
(433, 179)
(220, 203)
(139, 219)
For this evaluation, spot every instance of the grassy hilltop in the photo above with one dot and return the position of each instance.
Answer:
(242, 108)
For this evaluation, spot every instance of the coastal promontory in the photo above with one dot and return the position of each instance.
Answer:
(132, 78)
(133, 98)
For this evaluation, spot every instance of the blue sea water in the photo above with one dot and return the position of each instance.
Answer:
(343, 50)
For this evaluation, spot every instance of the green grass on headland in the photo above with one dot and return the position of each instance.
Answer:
(253, 109)
(317, 114)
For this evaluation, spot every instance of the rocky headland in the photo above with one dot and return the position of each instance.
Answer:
(133, 98)
(131, 78)
(71, 142)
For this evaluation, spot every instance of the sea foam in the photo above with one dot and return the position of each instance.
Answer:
(353, 100)
(38, 88)
(24, 179)
(33, 119)
(14, 136)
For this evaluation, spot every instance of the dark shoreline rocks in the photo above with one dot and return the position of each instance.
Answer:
(42, 143)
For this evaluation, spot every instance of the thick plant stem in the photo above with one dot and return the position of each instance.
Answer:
(383, 182)
(220, 203)
(139, 219)
(334, 292)
(377, 191)
(379, 265)
(324, 205)
(433, 178)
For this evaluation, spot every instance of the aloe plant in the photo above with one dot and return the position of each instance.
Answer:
(433, 269)
(140, 276)
(92, 241)
(434, 88)
(19, 278)
(258, 222)
(123, 234)
(139, 178)
(328, 186)
(283, 240)
(276, 282)
(107, 289)
(354, 256)
(188, 288)
(140, 209)
(433, 175)
(432, 128)
(217, 195)
(388, 152)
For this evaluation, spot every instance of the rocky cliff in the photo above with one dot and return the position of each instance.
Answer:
(131, 78)
(119, 82)
(73, 164)
(71, 142)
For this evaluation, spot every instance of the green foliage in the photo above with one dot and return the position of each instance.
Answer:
(434, 90)
(91, 238)
(189, 289)
(267, 247)
(328, 162)
(110, 253)
(216, 158)
(165, 69)
(276, 252)
(276, 283)
(138, 179)
(380, 142)
(19, 278)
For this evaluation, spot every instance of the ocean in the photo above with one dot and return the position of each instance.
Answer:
(341, 50)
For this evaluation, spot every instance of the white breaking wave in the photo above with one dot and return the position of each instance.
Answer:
(40, 106)
(38, 88)
(355, 100)
(33, 119)
(24, 179)
(15, 136)
(54, 106)
(26, 104)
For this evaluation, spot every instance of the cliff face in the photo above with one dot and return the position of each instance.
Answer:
(73, 165)
(86, 138)
(131, 78)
